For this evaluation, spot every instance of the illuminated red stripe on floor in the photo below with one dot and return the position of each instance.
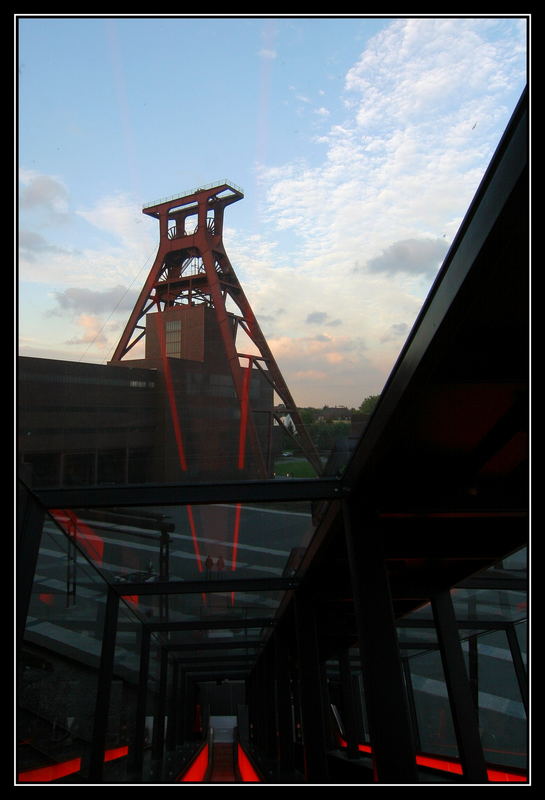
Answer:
(116, 752)
(55, 771)
(51, 773)
(247, 772)
(197, 770)
(447, 765)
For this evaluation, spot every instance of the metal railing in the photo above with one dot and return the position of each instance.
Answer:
(193, 191)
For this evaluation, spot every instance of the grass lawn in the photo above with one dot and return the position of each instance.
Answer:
(294, 468)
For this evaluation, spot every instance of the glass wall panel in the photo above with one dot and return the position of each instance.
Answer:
(58, 663)
(432, 707)
(205, 542)
(502, 718)
(123, 697)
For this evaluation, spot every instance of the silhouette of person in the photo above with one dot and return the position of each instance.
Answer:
(220, 566)
(208, 564)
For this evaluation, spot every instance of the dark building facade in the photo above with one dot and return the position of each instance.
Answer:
(156, 419)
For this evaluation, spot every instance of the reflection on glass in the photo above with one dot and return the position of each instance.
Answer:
(433, 715)
(185, 543)
(489, 604)
(502, 718)
(58, 663)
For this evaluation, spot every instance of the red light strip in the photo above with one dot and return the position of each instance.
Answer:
(55, 771)
(447, 765)
(247, 772)
(116, 752)
(92, 543)
(177, 433)
(197, 769)
(244, 402)
(50, 773)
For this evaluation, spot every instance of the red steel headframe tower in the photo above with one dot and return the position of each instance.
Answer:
(192, 268)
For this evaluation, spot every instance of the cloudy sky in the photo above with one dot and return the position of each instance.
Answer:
(358, 142)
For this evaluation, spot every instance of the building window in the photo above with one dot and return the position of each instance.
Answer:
(174, 338)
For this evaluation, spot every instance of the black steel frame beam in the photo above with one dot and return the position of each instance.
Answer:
(105, 674)
(311, 688)
(206, 586)
(349, 704)
(215, 625)
(464, 713)
(159, 721)
(196, 646)
(29, 535)
(136, 752)
(292, 489)
(469, 624)
(387, 704)
(283, 710)
(518, 665)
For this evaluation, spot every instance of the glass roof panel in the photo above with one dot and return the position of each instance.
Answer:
(192, 543)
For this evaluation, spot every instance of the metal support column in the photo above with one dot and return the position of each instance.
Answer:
(464, 715)
(349, 705)
(312, 701)
(136, 751)
(29, 534)
(158, 741)
(518, 664)
(284, 733)
(105, 674)
(392, 738)
(173, 708)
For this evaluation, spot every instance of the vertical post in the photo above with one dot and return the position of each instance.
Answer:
(105, 674)
(136, 752)
(518, 664)
(392, 740)
(312, 701)
(349, 704)
(173, 708)
(159, 721)
(180, 717)
(464, 715)
(284, 734)
(410, 697)
(29, 535)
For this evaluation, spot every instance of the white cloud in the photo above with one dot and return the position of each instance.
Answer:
(120, 216)
(399, 173)
(42, 193)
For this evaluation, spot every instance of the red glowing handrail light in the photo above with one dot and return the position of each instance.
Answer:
(51, 773)
(55, 771)
(197, 769)
(447, 765)
(247, 772)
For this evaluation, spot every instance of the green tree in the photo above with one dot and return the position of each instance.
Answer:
(368, 405)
